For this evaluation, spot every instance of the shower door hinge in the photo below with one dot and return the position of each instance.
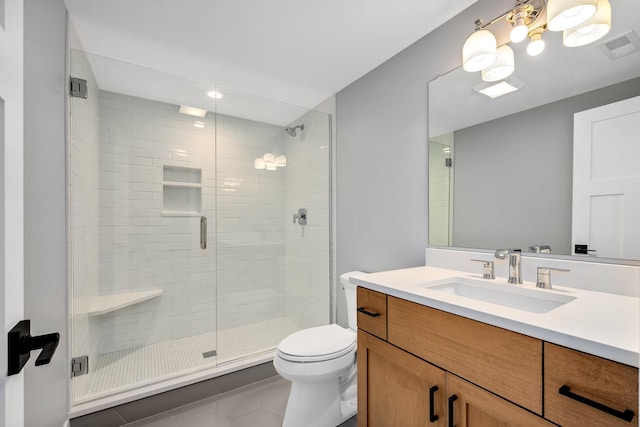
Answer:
(448, 162)
(79, 88)
(79, 366)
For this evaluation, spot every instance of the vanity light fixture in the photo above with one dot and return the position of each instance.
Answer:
(565, 14)
(479, 51)
(536, 44)
(582, 22)
(502, 68)
(593, 29)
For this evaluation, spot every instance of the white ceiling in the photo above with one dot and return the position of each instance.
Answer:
(296, 51)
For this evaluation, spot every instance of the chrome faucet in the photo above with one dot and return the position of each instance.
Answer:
(514, 259)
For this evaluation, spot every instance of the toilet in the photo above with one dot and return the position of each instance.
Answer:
(320, 362)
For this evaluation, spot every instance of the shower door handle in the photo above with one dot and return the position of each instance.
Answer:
(203, 232)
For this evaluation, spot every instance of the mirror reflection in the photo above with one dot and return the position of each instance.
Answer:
(501, 171)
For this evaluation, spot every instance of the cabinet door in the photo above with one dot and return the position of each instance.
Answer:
(396, 388)
(472, 406)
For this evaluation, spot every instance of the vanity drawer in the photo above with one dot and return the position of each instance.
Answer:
(584, 376)
(372, 312)
(504, 362)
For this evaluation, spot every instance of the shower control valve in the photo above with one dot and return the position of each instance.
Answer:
(301, 216)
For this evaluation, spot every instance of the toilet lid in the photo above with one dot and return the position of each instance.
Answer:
(322, 342)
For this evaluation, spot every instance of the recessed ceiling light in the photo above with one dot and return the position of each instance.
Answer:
(193, 111)
(214, 94)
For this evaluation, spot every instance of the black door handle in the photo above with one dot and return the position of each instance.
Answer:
(21, 344)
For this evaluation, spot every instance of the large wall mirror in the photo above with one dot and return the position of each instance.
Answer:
(501, 171)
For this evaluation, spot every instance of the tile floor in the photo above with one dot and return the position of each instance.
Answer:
(258, 405)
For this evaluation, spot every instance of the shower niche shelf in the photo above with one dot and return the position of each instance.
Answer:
(107, 303)
(181, 191)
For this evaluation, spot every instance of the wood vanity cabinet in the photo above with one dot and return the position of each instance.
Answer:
(426, 367)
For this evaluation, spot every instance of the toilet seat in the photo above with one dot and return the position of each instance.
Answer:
(317, 344)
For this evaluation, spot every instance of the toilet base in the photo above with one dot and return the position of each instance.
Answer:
(317, 405)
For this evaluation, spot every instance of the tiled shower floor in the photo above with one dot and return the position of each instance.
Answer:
(121, 370)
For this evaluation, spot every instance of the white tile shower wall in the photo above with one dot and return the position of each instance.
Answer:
(439, 190)
(307, 186)
(250, 224)
(139, 248)
(83, 206)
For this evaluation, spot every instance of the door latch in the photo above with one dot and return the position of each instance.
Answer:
(21, 344)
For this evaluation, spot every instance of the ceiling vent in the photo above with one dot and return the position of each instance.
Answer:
(621, 45)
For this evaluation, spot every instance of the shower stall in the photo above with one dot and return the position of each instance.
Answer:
(188, 253)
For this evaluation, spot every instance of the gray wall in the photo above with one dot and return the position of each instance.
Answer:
(382, 150)
(44, 205)
(515, 174)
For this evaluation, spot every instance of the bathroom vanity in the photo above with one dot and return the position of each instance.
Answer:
(429, 356)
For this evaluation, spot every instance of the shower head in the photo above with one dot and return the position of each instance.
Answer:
(292, 131)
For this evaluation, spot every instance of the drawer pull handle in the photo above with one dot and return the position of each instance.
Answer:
(368, 313)
(432, 391)
(627, 415)
(452, 399)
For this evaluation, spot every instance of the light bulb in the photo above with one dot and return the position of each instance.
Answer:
(519, 32)
(281, 160)
(259, 163)
(536, 45)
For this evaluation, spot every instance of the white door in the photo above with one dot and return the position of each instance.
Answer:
(606, 179)
(11, 200)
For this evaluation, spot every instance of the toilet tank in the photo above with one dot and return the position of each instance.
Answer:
(350, 293)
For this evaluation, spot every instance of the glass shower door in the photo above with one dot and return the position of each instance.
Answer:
(143, 263)
(273, 270)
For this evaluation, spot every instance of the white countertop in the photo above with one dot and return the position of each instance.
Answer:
(603, 324)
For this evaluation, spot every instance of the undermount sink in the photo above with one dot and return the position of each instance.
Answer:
(506, 295)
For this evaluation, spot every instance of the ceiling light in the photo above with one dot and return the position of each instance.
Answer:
(214, 94)
(494, 90)
(565, 14)
(593, 29)
(536, 45)
(479, 51)
(192, 111)
(502, 68)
